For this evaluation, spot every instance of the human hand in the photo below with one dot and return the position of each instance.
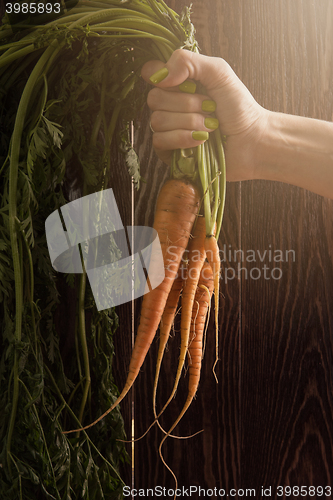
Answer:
(175, 114)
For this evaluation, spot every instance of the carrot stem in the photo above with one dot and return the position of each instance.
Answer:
(202, 166)
(219, 146)
(84, 347)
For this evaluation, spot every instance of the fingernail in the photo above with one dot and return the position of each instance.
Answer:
(159, 75)
(208, 106)
(211, 123)
(188, 87)
(199, 135)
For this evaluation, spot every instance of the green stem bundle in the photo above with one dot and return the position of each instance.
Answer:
(14, 161)
(140, 30)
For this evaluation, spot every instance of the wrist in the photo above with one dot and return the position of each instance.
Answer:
(269, 162)
(263, 143)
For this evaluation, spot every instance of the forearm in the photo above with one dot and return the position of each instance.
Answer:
(298, 151)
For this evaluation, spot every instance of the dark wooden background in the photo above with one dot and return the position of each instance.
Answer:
(269, 420)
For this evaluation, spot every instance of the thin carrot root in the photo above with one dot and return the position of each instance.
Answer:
(203, 296)
(203, 287)
(176, 210)
(213, 257)
(165, 432)
(138, 439)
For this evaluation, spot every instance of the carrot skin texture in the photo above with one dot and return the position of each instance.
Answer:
(213, 257)
(196, 257)
(165, 328)
(176, 209)
(202, 298)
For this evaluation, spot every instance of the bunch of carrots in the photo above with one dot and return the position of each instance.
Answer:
(180, 228)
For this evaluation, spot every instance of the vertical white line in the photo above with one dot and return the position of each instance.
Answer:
(132, 229)
(240, 309)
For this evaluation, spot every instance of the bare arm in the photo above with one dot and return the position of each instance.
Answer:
(260, 144)
(298, 151)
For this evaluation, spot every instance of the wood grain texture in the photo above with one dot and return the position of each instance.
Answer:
(286, 376)
(269, 420)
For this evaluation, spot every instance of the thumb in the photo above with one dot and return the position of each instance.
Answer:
(183, 65)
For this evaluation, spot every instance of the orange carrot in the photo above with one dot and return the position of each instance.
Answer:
(196, 258)
(213, 257)
(165, 327)
(176, 209)
(202, 299)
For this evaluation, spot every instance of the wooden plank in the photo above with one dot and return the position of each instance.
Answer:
(287, 323)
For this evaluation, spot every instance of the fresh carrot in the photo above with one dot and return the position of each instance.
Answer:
(167, 321)
(199, 313)
(165, 328)
(202, 300)
(213, 257)
(196, 257)
(176, 210)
